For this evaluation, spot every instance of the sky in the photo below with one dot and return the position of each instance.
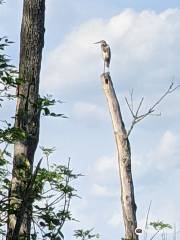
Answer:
(144, 37)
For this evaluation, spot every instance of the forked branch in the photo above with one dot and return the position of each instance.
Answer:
(136, 117)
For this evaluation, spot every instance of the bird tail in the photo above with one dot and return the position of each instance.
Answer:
(107, 64)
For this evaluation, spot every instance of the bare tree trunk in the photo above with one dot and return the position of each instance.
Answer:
(27, 112)
(124, 159)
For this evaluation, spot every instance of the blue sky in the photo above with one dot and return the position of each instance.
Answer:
(144, 38)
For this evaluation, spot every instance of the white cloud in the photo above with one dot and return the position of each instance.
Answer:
(148, 168)
(157, 164)
(106, 164)
(101, 191)
(145, 52)
(105, 171)
(86, 110)
(168, 144)
(164, 157)
(115, 220)
(167, 153)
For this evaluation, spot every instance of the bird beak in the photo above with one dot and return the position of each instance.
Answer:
(97, 42)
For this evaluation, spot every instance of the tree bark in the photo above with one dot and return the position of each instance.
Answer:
(27, 112)
(124, 159)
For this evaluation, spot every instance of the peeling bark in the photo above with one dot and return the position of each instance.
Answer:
(124, 159)
(27, 113)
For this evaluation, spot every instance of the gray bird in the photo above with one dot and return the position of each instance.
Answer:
(106, 53)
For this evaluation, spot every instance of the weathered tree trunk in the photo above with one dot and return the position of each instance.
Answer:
(27, 113)
(124, 159)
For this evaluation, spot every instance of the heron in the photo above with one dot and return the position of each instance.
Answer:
(106, 53)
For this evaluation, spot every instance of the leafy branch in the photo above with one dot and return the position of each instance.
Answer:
(159, 226)
(44, 104)
(52, 195)
(85, 234)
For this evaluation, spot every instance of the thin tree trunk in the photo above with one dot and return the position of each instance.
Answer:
(124, 159)
(27, 112)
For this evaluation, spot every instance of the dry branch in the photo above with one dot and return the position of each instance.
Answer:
(139, 117)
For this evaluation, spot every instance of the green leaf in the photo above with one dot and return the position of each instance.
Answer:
(159, 225)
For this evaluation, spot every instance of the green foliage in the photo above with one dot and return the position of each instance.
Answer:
(12, 134)
(8, 73)
(9, 81)
(52, 193)
(44, 104)
(4, 188)
(47, 151)
(85, 234)
(159, 225)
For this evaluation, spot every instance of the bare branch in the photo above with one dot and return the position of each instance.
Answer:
(147, 219)
(131, 128)
(150, 112)
(168, 91)
(156, 233)
(140, 104)
(135, 115)
(132, 105)
(130, 109)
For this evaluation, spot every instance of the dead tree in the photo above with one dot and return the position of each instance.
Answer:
(27, 115)
(123, 147)
(124, 159)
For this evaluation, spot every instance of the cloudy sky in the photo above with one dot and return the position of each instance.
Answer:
(145, 41)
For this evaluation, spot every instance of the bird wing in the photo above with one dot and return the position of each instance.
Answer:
(107, 55)
(109, 52)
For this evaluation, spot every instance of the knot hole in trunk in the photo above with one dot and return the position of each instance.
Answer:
(106, 80)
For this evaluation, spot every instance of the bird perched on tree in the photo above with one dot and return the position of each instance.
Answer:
(106, 53)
